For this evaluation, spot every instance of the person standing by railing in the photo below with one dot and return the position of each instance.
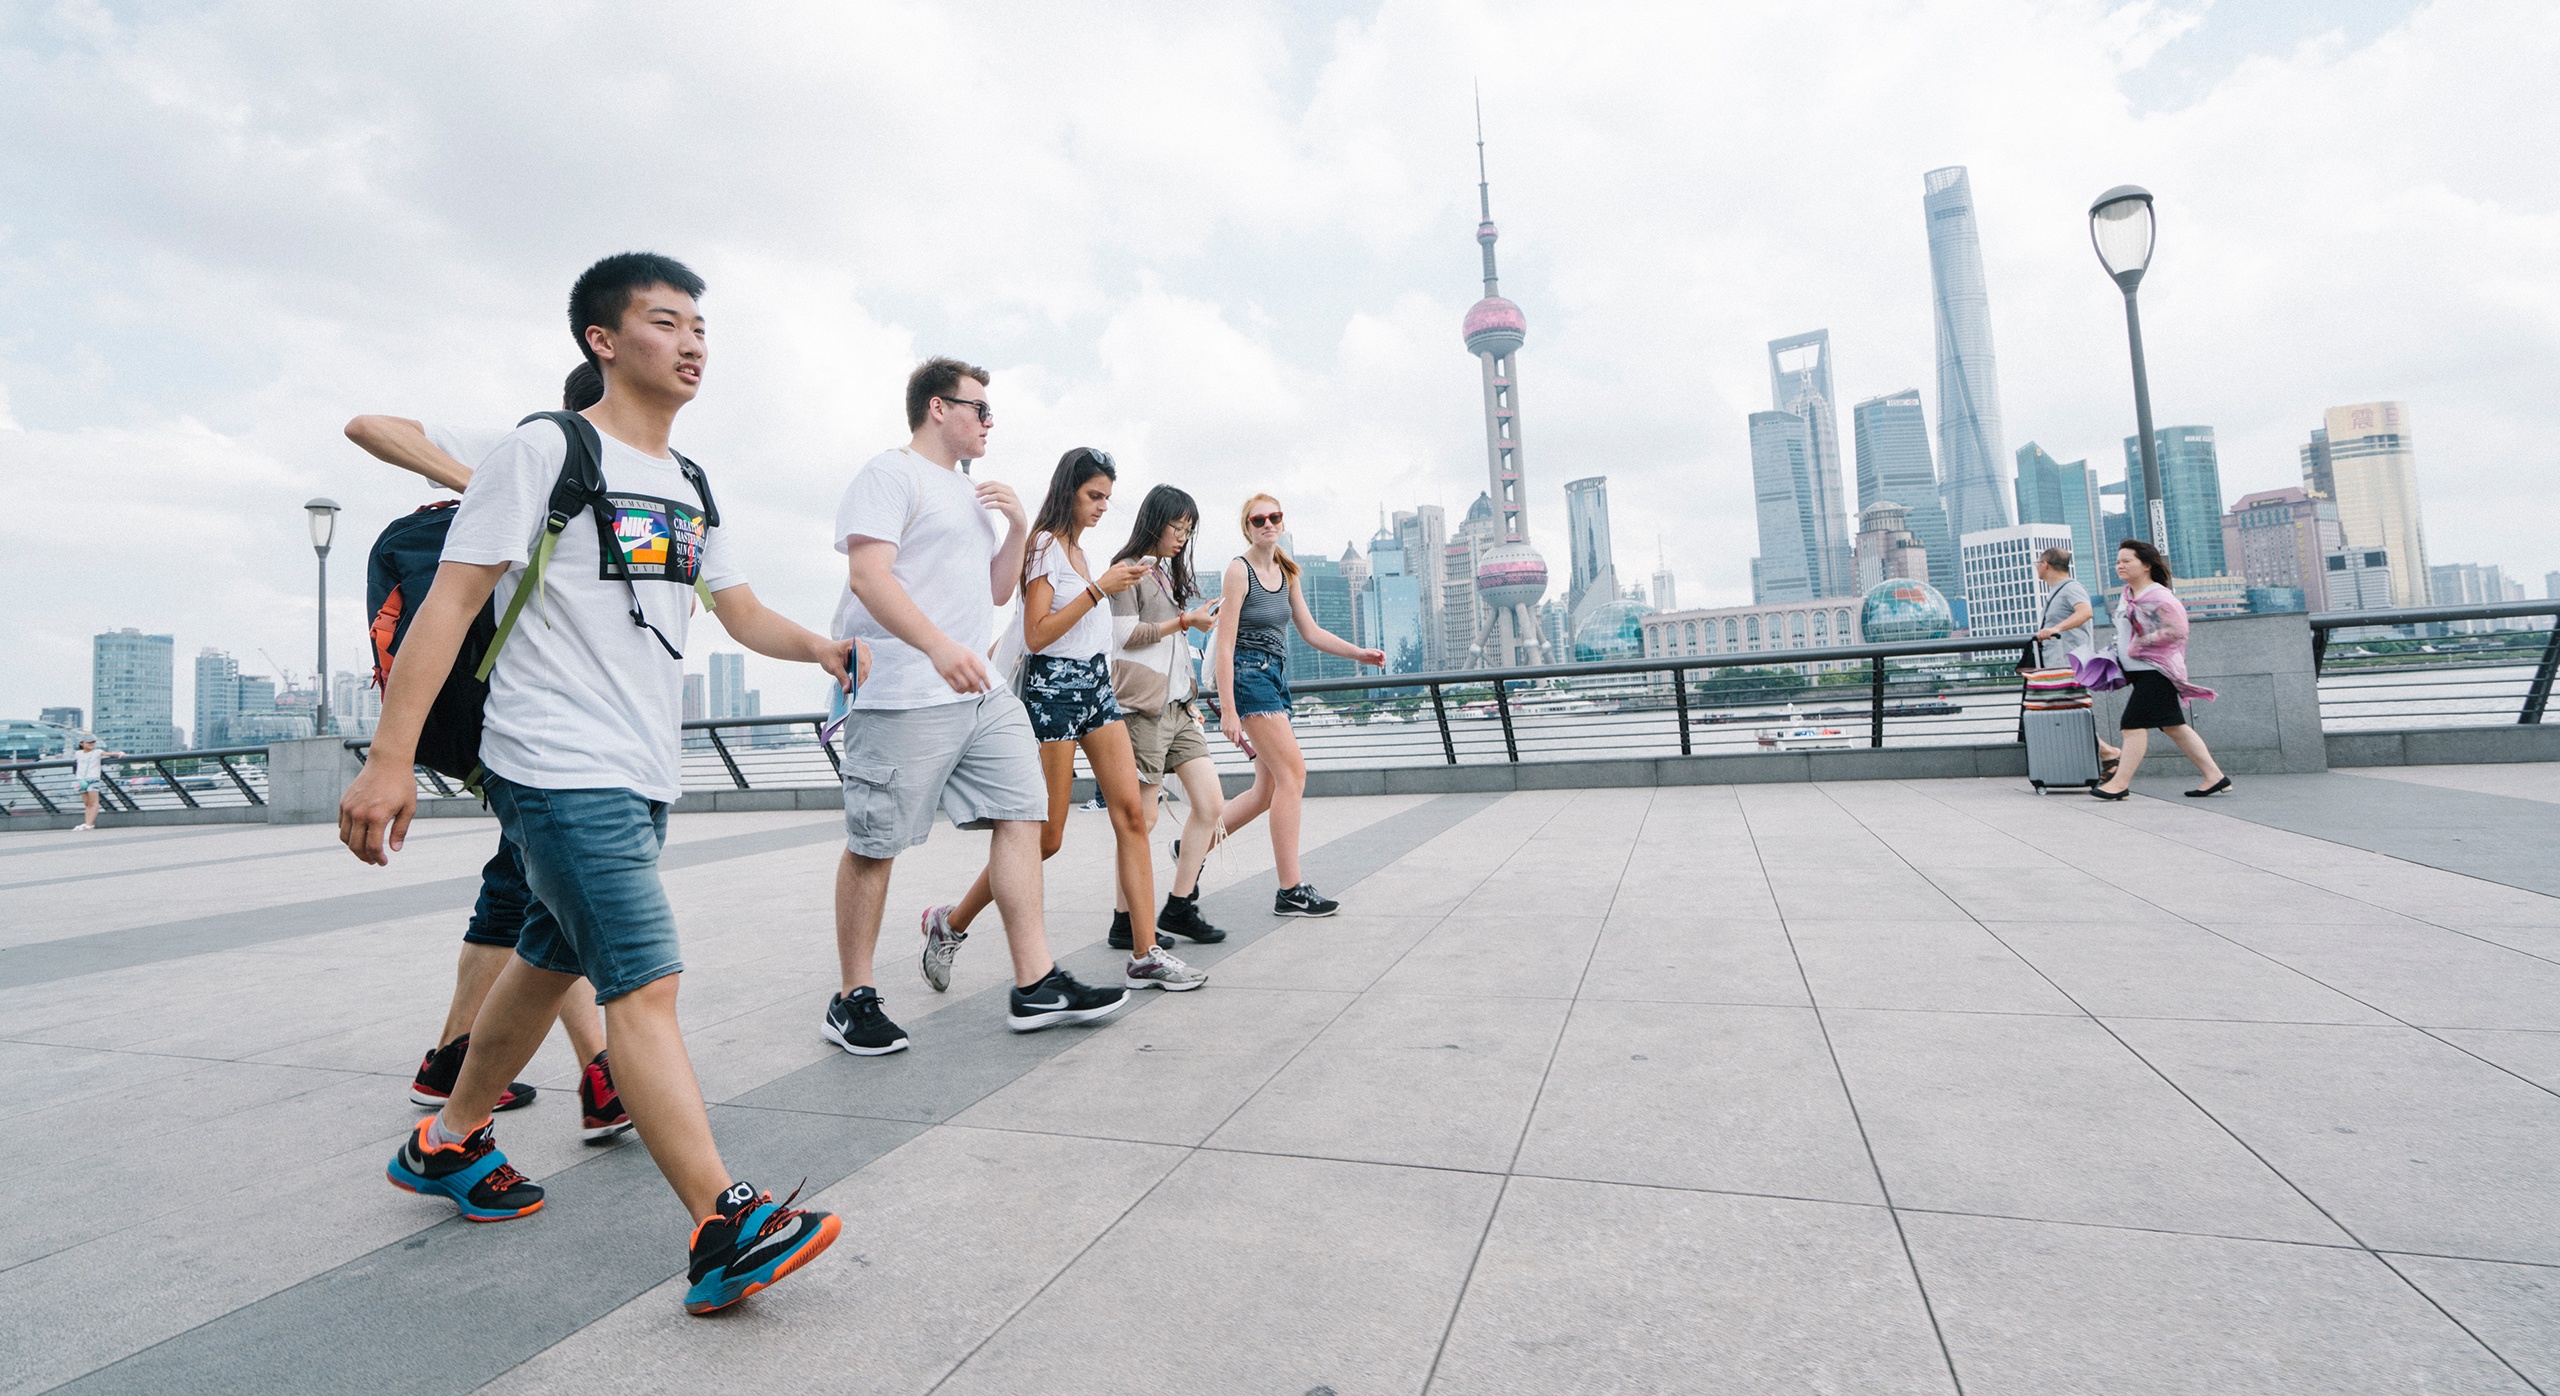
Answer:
(87, 775)
(2151, 629)
(1253, 689)
(2066, 608)
(1157, 680)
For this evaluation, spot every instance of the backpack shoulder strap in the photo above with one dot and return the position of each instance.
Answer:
(710, 519)
(580, 486)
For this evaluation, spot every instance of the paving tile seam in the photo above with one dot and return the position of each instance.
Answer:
(2304, 1193)
(211, 862)
(1875, 1166)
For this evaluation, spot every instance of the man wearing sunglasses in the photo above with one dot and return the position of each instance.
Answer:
(927, 566)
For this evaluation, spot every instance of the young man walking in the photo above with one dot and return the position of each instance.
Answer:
(580, 758)
(497, 919)
(927, 567)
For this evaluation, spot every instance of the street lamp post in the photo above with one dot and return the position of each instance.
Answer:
(2121, 228)
(323, 517)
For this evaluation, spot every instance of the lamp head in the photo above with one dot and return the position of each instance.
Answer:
(2121, 228)
(323, 517)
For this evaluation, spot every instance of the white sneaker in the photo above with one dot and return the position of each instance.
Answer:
(1160, 970)
(941, 943)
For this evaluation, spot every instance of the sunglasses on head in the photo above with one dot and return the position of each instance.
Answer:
(1271, 520)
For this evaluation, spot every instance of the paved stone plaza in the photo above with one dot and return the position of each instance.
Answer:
(1858, 1088)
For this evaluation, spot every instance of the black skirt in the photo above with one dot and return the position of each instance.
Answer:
(2151, 701)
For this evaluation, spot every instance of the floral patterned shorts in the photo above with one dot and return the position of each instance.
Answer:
(1068, 697)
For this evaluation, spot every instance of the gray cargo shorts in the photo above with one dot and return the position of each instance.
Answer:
(976, 758)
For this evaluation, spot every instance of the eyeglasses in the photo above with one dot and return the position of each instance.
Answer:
(986, 414)
(1270, 520)
(1180, 527)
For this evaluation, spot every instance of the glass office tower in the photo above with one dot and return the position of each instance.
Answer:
(2191, 485)
(1972, 459)
(1894, 467)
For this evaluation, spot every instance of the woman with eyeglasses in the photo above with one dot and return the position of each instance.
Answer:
(1157, 681)
(1258, 602)
(1066, 687)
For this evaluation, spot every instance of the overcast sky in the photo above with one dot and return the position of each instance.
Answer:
(1232, 244)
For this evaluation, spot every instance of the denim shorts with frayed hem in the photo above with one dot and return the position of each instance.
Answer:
(1262, 683)
(591, 862)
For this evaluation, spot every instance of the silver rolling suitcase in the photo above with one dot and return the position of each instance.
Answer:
(2060, 728)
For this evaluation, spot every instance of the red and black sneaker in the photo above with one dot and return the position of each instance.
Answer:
(433, 1085)
(605, 1117)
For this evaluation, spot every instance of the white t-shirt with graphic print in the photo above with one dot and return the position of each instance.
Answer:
(582, 698)
(946, 541)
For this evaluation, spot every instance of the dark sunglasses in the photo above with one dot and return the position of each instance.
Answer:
(1260, 520)
(986, 414)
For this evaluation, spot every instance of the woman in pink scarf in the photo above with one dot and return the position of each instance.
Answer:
(2151, 630)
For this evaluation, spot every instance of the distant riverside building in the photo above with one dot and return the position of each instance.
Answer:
(1355, 578)
(355, 705)
(2191, 484)
(1762, 629)
(1328, 594)
(2278, 538)
(2472, 584)
(22, 740)
(2208, 597)
(2360, 579)
(725, 693)
(1894, 465)
(70, 717)
(1800, 384)
(2001, 593)
(1392, 616)
(1886, 546)
(2318, 476)
(2372, 471)
(217, 697)
(1423, 535)
(1463, 609)
(696, 708)
(2060, 492)
(1973, 457)
(2114, 525)
(132, 690)
(1790, 566)
(1586, 513)
(2269, 601)
(1666, 590)
(2550, 592)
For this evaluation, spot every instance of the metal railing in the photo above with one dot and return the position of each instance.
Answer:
(2390, 670)
(220, 777)
(781, 752)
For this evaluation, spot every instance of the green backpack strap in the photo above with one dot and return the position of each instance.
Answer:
(532, 583)
(581, 483)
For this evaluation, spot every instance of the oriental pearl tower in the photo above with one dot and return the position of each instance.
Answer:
(1512, 577)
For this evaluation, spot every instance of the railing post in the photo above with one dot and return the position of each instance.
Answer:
(1875, 700)
(725, 759)
(2319, 648)
(1680, 700)
(163, 768)
(1440, 710)
(27, 779)
(2538, 696)
(245, 792)
(1502, 705)
(116, 790)
(436, 779)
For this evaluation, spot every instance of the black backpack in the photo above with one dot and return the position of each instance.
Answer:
(402, 567)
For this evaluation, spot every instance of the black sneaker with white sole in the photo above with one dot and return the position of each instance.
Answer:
(1121, 931)
(855, 1023)
(1061, 998)
(1181, 917)
(1302, 900)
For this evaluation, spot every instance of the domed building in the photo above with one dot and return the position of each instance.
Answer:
(1899, 609)
(1611, 630)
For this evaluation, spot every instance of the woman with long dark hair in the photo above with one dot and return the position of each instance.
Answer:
(1066, 687)
(1257, 603)
(2151, 631)
(1157, 680)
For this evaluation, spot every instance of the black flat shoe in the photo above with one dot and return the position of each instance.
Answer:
(2105, 794)
(2214, 789)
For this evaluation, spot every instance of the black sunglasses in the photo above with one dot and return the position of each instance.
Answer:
(986, 414)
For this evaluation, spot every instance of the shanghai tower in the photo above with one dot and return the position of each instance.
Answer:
(1972, 456)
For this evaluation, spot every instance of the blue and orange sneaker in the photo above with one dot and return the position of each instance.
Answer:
(472, 1173)
(749, 1244)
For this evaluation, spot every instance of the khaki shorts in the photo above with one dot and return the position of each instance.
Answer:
(1167, 741)
(974, 758)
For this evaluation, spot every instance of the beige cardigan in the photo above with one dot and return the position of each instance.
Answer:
(1146, 623)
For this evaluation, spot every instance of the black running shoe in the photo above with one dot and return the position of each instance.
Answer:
(433, 1085)
(473, 1174)
(603, 1116)
(855, 1023)
(1061, 998)
(750, 1243)
(1121, 931)
(1302, 900)
(1181, 917)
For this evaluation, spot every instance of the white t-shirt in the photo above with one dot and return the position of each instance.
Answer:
(1091, 633)
(946, 542)
(469, 445)
(582, 698)
(84, 764)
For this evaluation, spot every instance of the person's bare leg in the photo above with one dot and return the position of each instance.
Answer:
(1013, 868)
(473, 972)
(2192, 743)
(88, 809)
(580, 1019)
(1058, 772)
(1115, 774)
(1248, 806)
(514, 1017)
(1201, 830)
(1279, 747)
(1151, 799)
(658, 1088)
(2136, 741)
(862, 893)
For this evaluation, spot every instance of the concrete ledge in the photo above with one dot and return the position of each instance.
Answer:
(2446, 746)
(23, 823)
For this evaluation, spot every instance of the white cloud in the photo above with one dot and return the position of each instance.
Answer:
(1230, 244)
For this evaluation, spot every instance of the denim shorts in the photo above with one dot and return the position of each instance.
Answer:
(591, 860)
(1262, 683)
(498, 917)
(1068, 698)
